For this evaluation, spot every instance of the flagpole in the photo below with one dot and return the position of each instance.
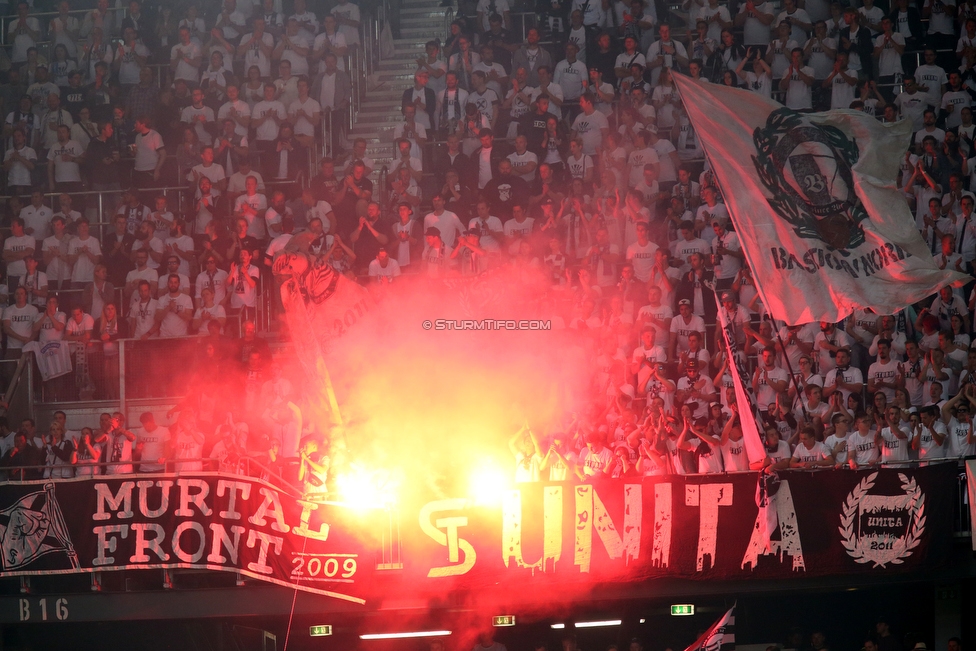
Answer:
(789, 367)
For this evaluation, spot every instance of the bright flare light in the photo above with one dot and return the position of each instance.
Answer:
(488, 484)
(606, 622)
(364, 489)
(558, 626)
(394, 636)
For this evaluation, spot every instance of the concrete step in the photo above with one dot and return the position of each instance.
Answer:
(398, 64)
(379, 119)
(380, 106)
(422, 34)
(421, 18)
(429, 9)
(383, 133)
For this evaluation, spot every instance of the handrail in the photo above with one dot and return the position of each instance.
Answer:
(249, 460)
(4, 20)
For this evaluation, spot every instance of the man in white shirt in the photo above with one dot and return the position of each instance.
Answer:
(266, 117)
(571, 74)
(63, 172)
(16, 249)
(186, 57)
(929, 437)
(844, 378)
(150, 154)
(175, 310)
(810, 453)
(445, 221)
(590, 126)
(665, 53)
(152, 444)
(884, 375)
(797, 81)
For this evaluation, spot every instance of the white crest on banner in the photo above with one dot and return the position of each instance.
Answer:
(865, 511)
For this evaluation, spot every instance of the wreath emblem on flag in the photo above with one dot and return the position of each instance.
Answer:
(807, 168)
(882, 529)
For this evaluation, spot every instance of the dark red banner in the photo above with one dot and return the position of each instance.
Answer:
(696, 527)
(205, 521)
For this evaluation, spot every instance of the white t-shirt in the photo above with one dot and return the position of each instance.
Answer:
(862, 449)
(183, 69)
(590, 130)
(389, 272)
(147, 151)
(84, 269)
(893, 448)
(14, 244)
(957, 445)
(154, 447)
(172, 325)
(734, 455)
(798, 93)
(267, 130)
(21, 321)
(928, 447)
(642, 257)
(817, 453)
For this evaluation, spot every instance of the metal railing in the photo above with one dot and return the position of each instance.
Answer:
(44, 21)
(250, 467)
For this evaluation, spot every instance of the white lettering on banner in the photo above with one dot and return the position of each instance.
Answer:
(188, 541)
(661, 544)
(592, 514)
(552, 528)
(272, 505)
(815, 259)
(144, 487)
(449, 539)
(230, 488)
(882, 529)
(108, 543)
(261, 566)
(198, 500)
(146, 543)
(708, 497)
(182, 554)
(121, 500)
(221, 539)
(789, 543)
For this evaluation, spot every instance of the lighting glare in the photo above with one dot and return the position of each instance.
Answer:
(365, 489)
(558, 626)
(395, 636)
(488, 484)
(606, 622)
(642, 620)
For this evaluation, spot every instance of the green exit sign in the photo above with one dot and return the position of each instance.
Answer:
(503, 620)
(320, 631)
(680, 610)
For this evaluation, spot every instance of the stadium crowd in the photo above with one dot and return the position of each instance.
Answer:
(568, 152)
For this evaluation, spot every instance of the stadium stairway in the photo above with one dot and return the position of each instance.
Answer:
(420, 21)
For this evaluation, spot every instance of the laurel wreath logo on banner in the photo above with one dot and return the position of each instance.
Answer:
(885, 548)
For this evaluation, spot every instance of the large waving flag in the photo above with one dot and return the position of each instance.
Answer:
(814, 203)
(719, 637)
